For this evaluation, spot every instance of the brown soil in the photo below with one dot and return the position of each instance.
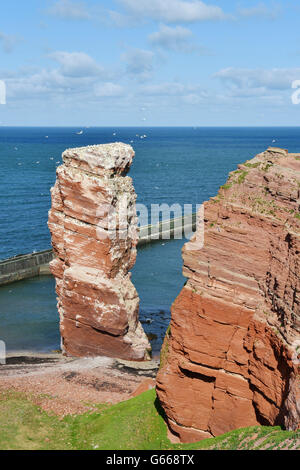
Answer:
(67, 386)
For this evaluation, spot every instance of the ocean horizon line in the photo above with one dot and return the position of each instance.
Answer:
(145, 127)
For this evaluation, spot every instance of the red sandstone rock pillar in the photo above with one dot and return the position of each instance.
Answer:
(95, 244)
(231, 358)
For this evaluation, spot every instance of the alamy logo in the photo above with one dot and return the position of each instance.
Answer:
(296, 94)
(2, 92)
(2, 353)
(118, 222)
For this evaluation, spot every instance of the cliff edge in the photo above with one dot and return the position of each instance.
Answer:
(231, 357)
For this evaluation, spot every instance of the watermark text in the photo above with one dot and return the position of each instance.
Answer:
(296, 94)
(159, 222)
(2, 353)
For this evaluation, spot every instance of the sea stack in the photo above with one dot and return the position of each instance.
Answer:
(231, 357)
(93, 223)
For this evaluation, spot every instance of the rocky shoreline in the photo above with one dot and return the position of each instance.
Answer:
(75, 385)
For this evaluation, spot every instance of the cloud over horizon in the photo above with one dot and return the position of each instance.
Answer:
(77, 64)
(268, 79)
(128, 54)
(174, 11)
(176, 39)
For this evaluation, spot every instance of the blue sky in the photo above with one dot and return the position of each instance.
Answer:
(149, 62)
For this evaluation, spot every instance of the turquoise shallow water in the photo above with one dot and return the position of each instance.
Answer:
(172, 165)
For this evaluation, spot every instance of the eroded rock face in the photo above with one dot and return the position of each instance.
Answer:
(231, 358)
(95, 245)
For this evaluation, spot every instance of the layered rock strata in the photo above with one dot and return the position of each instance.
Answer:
(93, 224)
(231, 357)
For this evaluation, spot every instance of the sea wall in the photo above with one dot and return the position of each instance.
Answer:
(231, 358)
(168, 229)
(37, 264)
(25, 266)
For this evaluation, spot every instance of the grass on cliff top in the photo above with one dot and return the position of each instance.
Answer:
(136, 424)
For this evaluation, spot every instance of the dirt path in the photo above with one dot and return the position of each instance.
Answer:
(73, 386)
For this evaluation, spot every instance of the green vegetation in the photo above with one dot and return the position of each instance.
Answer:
(133, 425)
(267, 167)
(297, 216)
(252, 165)
(25, 427)
(226, 186)
(264, 438)
(239, 177)
(217, 199)
(264, 206)
(242, 177)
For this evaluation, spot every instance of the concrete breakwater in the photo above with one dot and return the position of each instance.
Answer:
(37, 264)
(25, 266)
(168, 229)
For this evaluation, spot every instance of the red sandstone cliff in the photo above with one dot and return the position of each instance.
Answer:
(230, 358)
(97, 302)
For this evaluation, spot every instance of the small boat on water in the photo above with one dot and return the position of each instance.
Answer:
(79, 133)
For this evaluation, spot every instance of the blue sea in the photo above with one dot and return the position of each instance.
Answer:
(172, 165)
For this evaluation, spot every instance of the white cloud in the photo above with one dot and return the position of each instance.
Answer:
(174, 11)
(78, 74)
(77, 64)
(273, 79)
(122, 21)
(139, 63)
(108, 89)
(192, 99)
(260, 10)
(190, 94)
(175, 94)
(176, 39)
(68, 9)
(8, 42)
(47, 83)
(163, 89)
